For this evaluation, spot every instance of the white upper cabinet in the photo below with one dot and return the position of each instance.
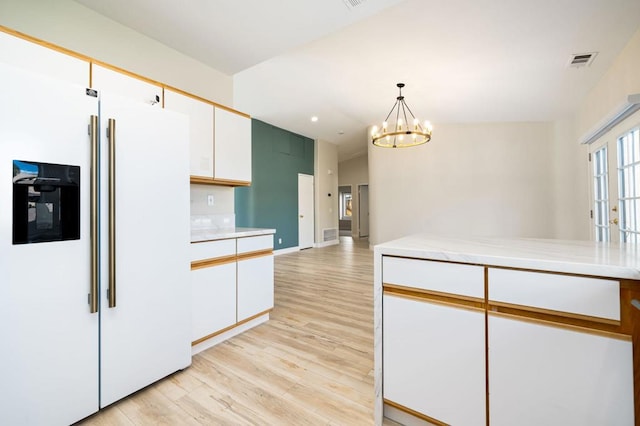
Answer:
(232, 146)
(200, 130)
(36, 58)
(125, 85)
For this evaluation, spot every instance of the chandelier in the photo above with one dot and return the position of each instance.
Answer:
(405, 131)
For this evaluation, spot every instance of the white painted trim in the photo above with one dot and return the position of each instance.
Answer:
(209, 343)
(286, 250)
(326, 243)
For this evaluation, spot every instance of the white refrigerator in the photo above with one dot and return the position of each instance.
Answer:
(85, 322)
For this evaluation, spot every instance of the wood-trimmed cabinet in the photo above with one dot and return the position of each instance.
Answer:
(559, 347)
(121, 84)
(220, 141)
(232, 284)
(36, 58)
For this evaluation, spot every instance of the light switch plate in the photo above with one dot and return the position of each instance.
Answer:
(210, 200)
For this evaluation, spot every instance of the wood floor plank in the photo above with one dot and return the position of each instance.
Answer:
(310, 364)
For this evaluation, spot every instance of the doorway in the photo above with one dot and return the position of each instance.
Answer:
(615, 188)
(363, 210)
(345, 210)
(305, 211)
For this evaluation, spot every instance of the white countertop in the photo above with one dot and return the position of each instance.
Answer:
(201, 235)
(575, 257)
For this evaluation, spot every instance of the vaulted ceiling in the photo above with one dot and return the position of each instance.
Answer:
(339, 60)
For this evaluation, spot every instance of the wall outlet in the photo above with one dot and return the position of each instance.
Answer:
(210, 200)
(279, 240)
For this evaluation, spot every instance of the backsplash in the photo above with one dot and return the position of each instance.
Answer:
(212, 207)
(213, 221)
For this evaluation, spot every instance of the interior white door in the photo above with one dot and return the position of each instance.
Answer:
(49, 362)
(363, 210)
(305, 211)
(146, 335)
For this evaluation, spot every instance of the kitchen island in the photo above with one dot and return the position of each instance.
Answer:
(231, 282)
(502, 332)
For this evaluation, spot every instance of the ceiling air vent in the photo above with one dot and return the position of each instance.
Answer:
(351, 4)
(582, 59)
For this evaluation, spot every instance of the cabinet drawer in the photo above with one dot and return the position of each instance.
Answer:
(249, 244)
(593, 297)
(465, 280)
(213, 249)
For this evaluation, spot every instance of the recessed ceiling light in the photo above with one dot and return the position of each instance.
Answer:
(314, 118)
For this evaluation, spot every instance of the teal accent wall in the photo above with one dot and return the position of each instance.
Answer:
(277, 156)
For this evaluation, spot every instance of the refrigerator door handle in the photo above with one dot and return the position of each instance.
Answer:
(112, 212)
(93, 295)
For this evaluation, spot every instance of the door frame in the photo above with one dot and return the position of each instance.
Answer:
(360, 210)
(312, 211)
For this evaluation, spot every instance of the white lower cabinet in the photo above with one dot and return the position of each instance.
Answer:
(255, 286)
(434, 359)
(214, 299)
(231, 280)
(548, 375)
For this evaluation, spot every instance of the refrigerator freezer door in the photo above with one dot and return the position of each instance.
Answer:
(146, 336)
(49, 337)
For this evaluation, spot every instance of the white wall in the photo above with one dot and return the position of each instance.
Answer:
(326, 182)
(571, 174)
(354, 172)
(490, 179)
(75, 27)
(622, 79)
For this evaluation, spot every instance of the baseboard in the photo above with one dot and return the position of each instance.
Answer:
(326, 243)
(403, 418)
(286, 250)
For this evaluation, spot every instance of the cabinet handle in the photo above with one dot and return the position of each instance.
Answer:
(112, 212)
(93, 295)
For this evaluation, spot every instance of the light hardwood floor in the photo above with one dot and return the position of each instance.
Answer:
(311, 364)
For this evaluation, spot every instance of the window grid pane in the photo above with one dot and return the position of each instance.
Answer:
(629, 186)
(601, 195)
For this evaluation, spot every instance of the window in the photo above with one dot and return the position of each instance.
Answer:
(601, 195)
(629, 186)
(345, 205)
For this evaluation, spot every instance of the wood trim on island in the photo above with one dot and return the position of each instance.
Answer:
(448, 299)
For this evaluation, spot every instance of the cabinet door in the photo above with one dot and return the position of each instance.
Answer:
(114, 82)
(545, 375)
(255, 286)
(39, 59)
(232, 146)
(200, 130)
(213, 299)
(434, 359)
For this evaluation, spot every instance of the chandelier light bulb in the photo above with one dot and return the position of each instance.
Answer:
(428, 127)
(384, 126)
(374, 131)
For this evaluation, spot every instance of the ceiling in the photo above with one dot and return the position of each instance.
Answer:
(461, 60)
